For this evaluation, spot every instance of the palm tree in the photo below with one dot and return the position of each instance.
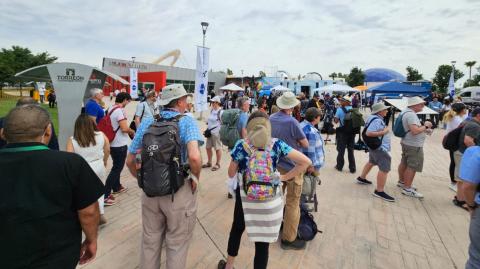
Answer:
(470, 64)
(333, 75)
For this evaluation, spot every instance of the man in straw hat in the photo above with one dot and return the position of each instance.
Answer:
(345, 138)
(412, 146)
(287, 128)
(375, 127)
(165, 219)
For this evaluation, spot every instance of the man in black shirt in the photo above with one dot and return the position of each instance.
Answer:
(43, 211)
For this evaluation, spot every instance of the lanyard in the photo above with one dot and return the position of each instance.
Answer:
(23, 149)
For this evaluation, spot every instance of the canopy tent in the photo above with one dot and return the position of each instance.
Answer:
(401, 104)
(394, 88)
(361, 88)
(280, 88)
(232, 87)
(72, 82)
(335, 89)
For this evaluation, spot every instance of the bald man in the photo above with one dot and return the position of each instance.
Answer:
(44, 211)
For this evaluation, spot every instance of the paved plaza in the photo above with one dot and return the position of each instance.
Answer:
(359, 231)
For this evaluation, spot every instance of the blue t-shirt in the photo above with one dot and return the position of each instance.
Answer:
(378, 125)
(286, 128)
(93, 109)
(240, 155)
(470, 168)
(242, 122)
(340, 115)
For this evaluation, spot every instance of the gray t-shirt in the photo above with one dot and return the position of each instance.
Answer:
(409, 118)
(472, 129)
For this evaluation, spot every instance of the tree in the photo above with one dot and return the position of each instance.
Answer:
(229, 72)
(470, 64)
(18, 59)
(442, 77)
(475, 81)
(262, 74)
(333, 75)
(356, 77)
(413, 74)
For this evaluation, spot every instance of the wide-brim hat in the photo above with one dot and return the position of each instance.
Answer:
(216, 99)
(379, 107)
(346, 99)
(287, 100)
(172, 92)
(415, 101)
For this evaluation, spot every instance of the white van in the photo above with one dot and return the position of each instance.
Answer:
(470, 95)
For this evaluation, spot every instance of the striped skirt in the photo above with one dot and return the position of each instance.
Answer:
(262, 218)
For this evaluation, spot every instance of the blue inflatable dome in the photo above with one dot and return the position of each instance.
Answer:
(382, 75)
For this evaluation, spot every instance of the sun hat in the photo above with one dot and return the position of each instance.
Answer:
(216, 99)
(415, 101)
(346, 99)
(259, 132)
(172, 92)
(287, 100)
(377, 107)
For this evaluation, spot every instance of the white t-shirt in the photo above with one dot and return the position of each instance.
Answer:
(121, 139)
(213, 122)
(455, 122)
(41, 91)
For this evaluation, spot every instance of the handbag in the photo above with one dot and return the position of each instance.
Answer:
(208, 133)
(371, 142)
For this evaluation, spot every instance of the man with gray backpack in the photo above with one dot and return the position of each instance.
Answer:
(165, 158)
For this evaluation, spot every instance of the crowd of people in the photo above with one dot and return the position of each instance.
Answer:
(274, 142)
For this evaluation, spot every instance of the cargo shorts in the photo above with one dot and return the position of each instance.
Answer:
(412, 157)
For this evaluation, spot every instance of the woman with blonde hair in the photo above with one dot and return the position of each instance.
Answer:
(452, 118)
(94, 147)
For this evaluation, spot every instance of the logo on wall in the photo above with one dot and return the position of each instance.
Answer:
(70, 76)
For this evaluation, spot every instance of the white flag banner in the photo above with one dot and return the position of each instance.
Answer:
(201, 79)
(134, 83)
(451, 85)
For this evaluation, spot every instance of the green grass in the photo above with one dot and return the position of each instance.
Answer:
(9, 103)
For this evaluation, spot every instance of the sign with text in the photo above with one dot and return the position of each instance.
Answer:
(134, 83)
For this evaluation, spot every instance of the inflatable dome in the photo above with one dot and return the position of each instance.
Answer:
(382, 75)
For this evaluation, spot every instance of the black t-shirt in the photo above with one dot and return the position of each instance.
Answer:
(40, 194)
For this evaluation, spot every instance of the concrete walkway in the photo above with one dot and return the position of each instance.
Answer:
(359, 231)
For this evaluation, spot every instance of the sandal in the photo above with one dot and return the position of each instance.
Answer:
(216, 167)
(207, 165)
(461, 204)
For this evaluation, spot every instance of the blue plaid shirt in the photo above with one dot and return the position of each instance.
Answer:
(315, 151)
(188, 132)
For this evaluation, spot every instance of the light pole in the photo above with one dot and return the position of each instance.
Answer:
(204, 31)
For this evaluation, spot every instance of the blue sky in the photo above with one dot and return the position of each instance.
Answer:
(297, 36)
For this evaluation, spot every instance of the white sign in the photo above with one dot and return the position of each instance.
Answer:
(201, 79)
(451, 84)
(134, 83)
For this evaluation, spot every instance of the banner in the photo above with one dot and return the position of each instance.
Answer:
(133, 83)
(201, 79)
(451, 85)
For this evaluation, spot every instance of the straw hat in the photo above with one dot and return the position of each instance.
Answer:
(415, 101)
(287, 100)
(379, 107)
(172, 92)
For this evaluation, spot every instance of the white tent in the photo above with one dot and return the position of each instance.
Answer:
(335, 89)
(401, 104)
(232, 87)
(280, 88)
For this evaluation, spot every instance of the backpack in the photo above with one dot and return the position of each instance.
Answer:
(357, 119)
(451, 141)
(259, 180)
(371, 142)
(162, 172)
(228, 130)
(398, 129)
(307, 228)
(105, 126)
(352, 121)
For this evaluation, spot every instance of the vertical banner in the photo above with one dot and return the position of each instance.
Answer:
(451, 84)
(201, 79)
(134, 83)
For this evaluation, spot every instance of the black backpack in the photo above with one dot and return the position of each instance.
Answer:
(162, 172)
(451, 141)
(307, 228)
(371, 142)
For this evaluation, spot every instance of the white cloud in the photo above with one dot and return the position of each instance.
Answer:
(297, 36)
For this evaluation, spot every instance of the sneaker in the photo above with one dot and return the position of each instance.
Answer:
(297, 244)
(121, 190)
(338, 168)
(453, 187)
(383, 195)
(400, 184)
(363, 181)
(412, 193)
(229, 196)
(109, 201)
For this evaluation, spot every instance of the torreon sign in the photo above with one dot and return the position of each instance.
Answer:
(70, 76)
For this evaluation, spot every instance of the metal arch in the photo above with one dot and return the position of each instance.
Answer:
(174, 53)
(316, 73)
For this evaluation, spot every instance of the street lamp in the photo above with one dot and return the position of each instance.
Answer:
(133, 59)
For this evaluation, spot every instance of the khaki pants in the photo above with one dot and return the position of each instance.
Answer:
(292, 206)
(172, 222)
